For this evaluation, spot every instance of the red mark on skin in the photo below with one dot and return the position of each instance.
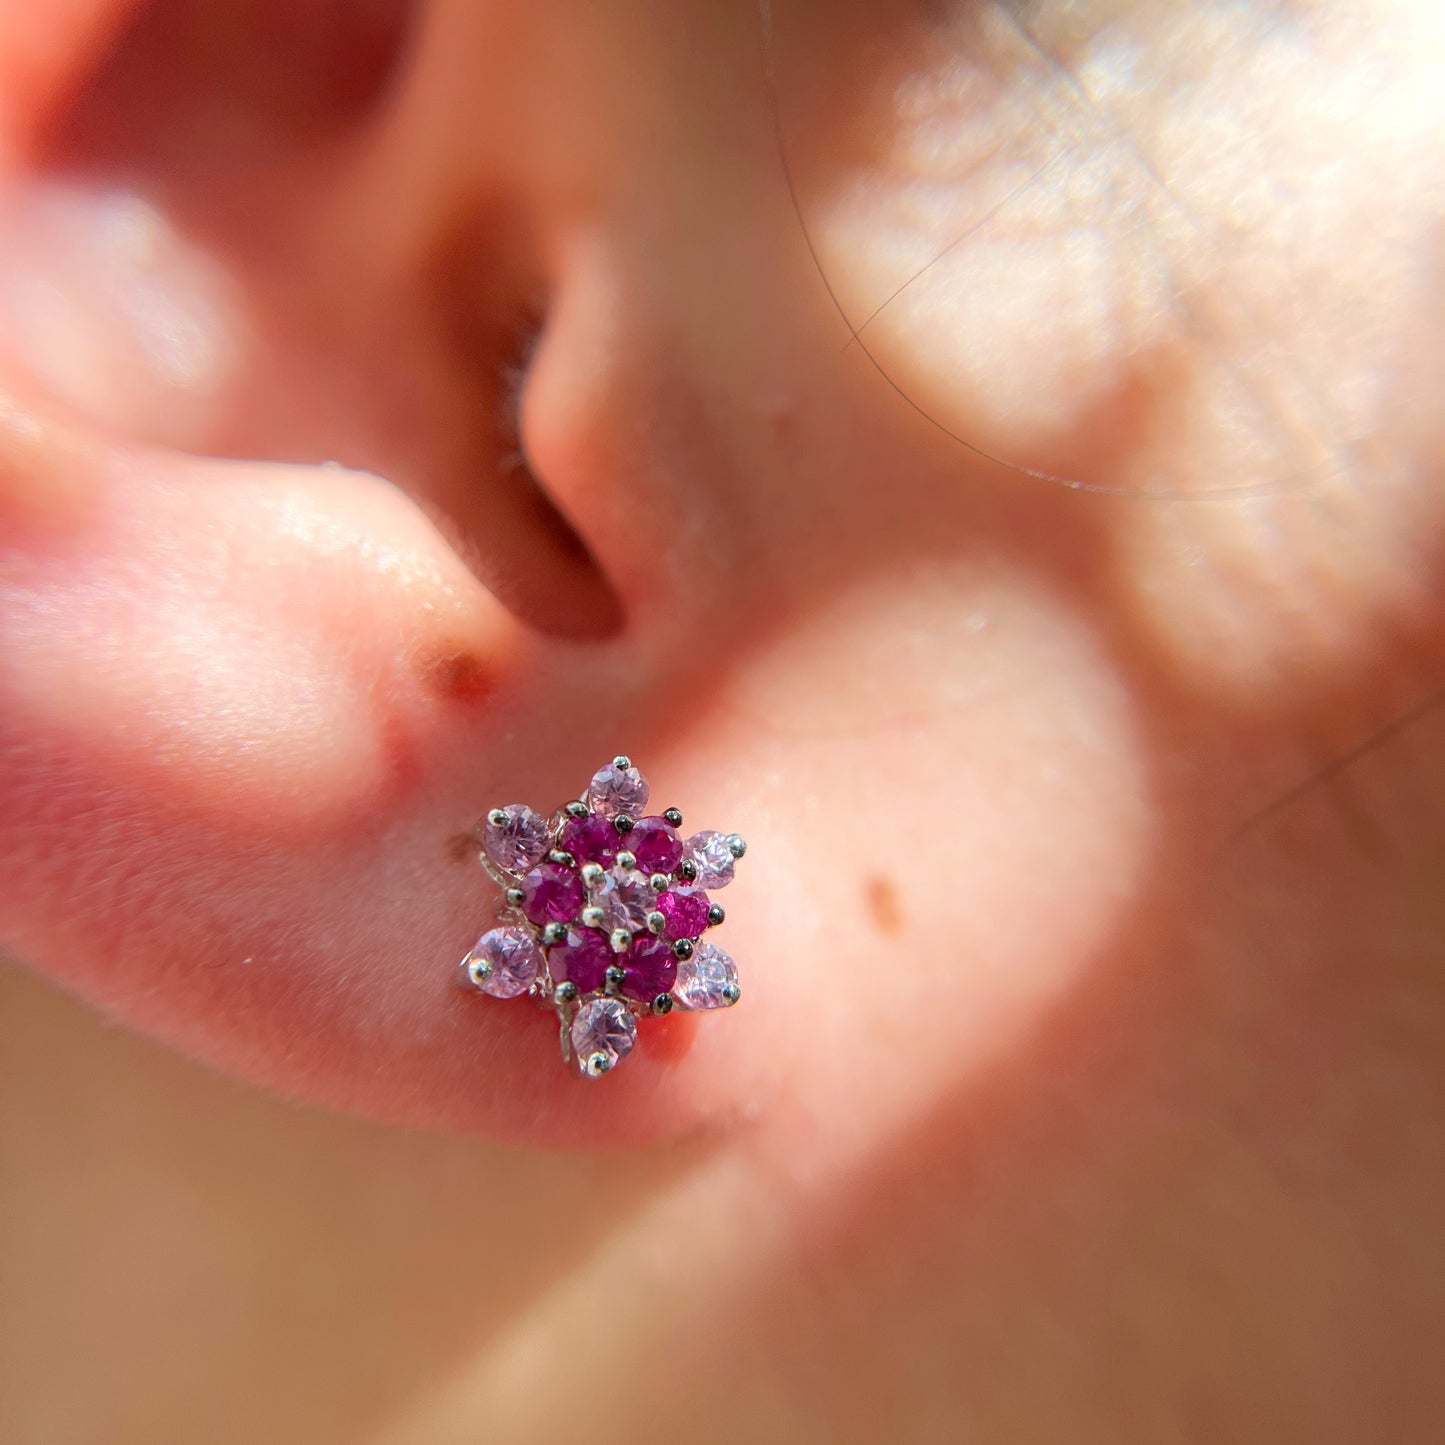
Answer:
(670, 1037)
(456, 675)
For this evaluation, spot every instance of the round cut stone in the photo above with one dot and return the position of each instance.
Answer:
(655, 845)
(685, 910)
(519, 843)
(603, 1026)
(615, 790)
(592, 839)
(650, 968)
(552, 894)
(504, 962)
(715, 862)
(626, 900)
(583, 959)
(703, 979)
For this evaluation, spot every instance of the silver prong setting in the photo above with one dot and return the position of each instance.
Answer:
(576, 809)
(687, 871)
(659, 882)
(593, 918)
(621, 940)
(565, 993)
(554, 934)
(622, 762)
(683, 949)
(716, 913)
(562, 858)
(516, 897)
(656, 922)
(614, 979)
(673, 816)
(593, 874)
(497, 818)
(662, 1005)
(627, 861)
(737, 844)
(732, 993)
(597, 1064)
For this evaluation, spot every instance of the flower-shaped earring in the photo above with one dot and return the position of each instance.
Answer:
(605, 912)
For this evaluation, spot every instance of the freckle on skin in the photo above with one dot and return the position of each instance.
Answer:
(884, 904)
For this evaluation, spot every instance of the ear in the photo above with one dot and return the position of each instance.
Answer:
(250, 711)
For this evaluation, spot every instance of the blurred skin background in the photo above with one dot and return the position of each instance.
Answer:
(988, 454)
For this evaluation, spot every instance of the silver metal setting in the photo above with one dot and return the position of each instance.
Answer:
(737, 844)
(715, 915)
(593, 918)
(656, 922)
(683, 949)
(516, 897)
(576, 809)
(622, 762)
(673, 816)
(561, 858)
(597, 1065)
(616, 976)
(687, 871)
(659, 882)
(593, 874)
(626, 860)
(662, 1005)
(497, 818)
(565, 992)
(621, 940)
(624, 823)
(732, 993)
(553, 934)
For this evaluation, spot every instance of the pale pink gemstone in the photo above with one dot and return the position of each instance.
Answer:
(625, 898)
(615, 790)
(519, 843)
(705, 980)
(503, 963)
(710, 852)
(603, 1026)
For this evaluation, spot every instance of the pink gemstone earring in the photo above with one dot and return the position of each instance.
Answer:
(605, 909)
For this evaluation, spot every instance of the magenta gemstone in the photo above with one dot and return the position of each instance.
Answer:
(651, 967)
(583, 959)
(552, 894)
(592, 839)
(655, 845)
(685, 910)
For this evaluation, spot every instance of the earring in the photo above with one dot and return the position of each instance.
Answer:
(605, 911)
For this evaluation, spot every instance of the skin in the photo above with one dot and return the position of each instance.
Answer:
(1061, 627)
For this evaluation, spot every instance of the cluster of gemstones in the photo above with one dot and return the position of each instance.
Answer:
(606, 908)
